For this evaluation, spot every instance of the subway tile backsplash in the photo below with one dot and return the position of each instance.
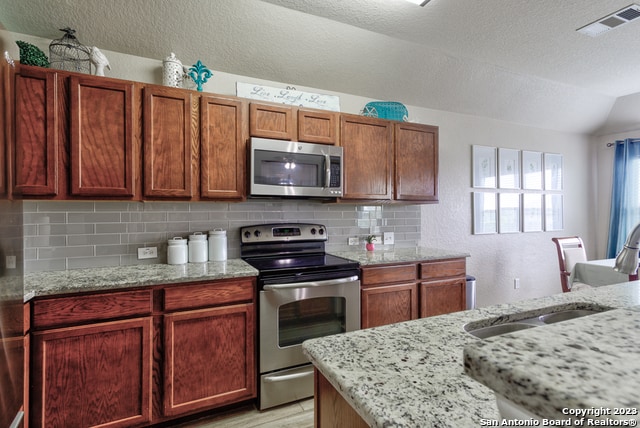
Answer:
(62, 235)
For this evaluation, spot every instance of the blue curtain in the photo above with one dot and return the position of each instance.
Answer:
(625, 195)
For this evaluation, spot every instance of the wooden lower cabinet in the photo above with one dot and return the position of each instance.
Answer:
(208, 358)
(330, 409)
(92, 375)
(389, 304)
(141, 357)
(395, 293)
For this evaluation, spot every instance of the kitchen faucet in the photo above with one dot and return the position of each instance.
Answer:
(627, 259)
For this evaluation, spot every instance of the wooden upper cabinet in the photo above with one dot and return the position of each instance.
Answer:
(317, 126)
(5, 127)
(223, 136)
(368, 157)
(102, 114)
(416, 158)
(35, 148)
(168, 142)
(272, 121)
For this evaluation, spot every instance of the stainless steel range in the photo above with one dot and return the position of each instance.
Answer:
(303, 293)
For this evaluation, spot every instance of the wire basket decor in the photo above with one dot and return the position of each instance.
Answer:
(67, 53)
(386, 110)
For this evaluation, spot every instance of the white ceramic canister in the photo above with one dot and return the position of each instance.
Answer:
(217, 245)
(198, 248)
(172, 71)
(177, 253)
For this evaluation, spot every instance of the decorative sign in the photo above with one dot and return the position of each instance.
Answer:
(289, 96)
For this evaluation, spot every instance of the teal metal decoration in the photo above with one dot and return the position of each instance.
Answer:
(200, 74)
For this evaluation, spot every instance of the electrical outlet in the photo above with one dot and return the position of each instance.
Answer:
(354, 240)
(389, 238)
(147, 252)
(11, 262)
(516, 283)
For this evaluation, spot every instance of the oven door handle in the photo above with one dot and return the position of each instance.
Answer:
(282, 378)
(310, 284)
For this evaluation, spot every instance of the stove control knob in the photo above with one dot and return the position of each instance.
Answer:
(321, 231)
(257, 233)
(313, 230)
(247, 234)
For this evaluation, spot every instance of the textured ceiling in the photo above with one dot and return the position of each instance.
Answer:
(513, 60)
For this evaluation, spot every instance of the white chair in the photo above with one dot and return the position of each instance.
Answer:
(570, 251)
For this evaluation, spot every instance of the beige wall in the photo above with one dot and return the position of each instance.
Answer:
(495, 259)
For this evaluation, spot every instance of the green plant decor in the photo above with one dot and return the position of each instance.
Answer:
(32, 55)
(370, 239)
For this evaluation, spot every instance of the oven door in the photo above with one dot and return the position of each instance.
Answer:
(288, 168)
(292, 313)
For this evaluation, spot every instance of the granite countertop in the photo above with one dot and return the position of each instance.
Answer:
(585, 363)
(411, 374)
(108, 278)
(399, 255)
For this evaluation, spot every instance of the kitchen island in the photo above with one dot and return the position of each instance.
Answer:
(412, 374)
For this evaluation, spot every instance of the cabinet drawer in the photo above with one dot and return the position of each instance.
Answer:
(95, 307)
(388, 274)
(443, 269)
(209, 294)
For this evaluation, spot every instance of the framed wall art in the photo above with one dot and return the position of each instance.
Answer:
(531, 170)
(484, 167)
(508, 168)
(532, 212)
(554, 212)
(509, 212)
(552, 171)
(484, 213)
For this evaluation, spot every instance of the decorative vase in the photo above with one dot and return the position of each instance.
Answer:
(370, 246)
(172, 71)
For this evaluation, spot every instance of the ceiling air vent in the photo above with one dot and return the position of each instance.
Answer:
(612, 21)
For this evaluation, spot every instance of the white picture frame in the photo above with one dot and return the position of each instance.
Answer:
(532, 212)
(508, 168)
(554, 212)
(553, 171)
(509, 212)
(531, 170)
(484, 213)
(484, 167)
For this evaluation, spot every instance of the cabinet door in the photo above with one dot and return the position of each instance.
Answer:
(168, 142)
(389, 304)
(442, 297)
(35, 148)
(416, 157)
(316, 126)
(102, 148)
(209, 358)
(92, 375)
(368, 153)
(223, 145)
(5, 128)
(272, 121)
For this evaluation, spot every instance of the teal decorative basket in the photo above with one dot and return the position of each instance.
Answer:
(386, 110)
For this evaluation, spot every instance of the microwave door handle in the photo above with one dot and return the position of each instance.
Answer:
(310, 284)
(327, 170)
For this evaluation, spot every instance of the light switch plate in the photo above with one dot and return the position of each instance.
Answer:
(389, 238)
(353, 240)
(147, 252)
(11, 262)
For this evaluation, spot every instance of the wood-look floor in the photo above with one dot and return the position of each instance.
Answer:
(295, 415)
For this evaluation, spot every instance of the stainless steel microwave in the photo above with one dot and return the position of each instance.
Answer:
(290, 168)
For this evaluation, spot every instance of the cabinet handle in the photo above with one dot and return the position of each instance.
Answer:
(310, 284)
(282, 378)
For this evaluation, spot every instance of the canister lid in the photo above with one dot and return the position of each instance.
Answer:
(217, 232)
(177, 241)
(198, 236)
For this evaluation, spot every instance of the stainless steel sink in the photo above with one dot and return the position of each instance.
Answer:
(494, 327)
(567, 315)
(496, 330)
